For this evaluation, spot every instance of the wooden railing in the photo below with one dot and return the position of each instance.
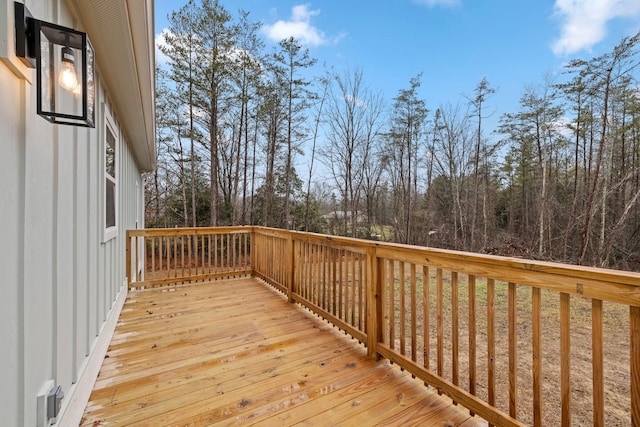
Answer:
(157, 257)
(517, 342)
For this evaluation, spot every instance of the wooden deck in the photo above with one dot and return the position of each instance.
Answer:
(235, 352)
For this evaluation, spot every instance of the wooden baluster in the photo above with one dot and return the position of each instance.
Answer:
(182, 254)
(234, 245)
(403, 321)
(439, 325)
(597, 362)
(196, 253)
(328, 287)
(634, 330)
(352, 290)
(216, 248)
(334, 282)
(392, 305)
(513, 351)
(189, 252)
(565, 358)
(293, 263)
(229, 250)
(341, 269)
(309, 271)
(247, 242)
(323, 276)
(414, 316)
(314, 268)
(309, 267)
(326, 279)
(536, 304)
(361, 300)
(382, 278)
(472, 335)
(209, 251)
(160, 274)
(152, 272)
(312, 271)
(425, 316)
(203, 256)
(171, 254)
(455, 366)
(136, 274)
(491, 343)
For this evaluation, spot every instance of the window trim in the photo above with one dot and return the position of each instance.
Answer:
(109, 127)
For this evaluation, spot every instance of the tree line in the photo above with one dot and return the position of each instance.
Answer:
(558, 179)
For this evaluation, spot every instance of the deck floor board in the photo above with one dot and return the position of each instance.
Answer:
(234, 352)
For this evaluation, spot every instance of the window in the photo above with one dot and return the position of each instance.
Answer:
(110, 181)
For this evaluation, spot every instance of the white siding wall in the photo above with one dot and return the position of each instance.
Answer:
(12, 247)
(59, 278)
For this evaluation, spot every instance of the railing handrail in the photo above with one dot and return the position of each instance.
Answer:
(584, 281)
(588, 283)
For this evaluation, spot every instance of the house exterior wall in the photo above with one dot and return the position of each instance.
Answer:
(62, 281)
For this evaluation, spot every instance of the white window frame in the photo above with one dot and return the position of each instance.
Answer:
(110, 127)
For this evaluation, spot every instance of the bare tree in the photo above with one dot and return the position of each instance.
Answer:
(353, 120)
(453, 159)
(324, 83)
(600, 75)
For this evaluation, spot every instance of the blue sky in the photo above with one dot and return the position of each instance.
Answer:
(454, 43)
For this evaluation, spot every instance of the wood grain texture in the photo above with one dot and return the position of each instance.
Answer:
(236, 351)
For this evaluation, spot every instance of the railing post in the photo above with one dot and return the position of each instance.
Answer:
(253, 253)
(374, 306)
(291, 263)
(128, 257)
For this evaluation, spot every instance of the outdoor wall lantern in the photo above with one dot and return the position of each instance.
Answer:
(64, 63)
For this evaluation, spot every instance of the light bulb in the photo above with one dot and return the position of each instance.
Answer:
(78, 91)
(67, 78)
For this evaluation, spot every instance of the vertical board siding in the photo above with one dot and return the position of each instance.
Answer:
(40, 273)
(13, 246)
(69, 277)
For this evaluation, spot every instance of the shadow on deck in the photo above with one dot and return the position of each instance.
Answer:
(235, 352)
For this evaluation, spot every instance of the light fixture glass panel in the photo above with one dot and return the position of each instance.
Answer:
(65, 50)
(90, 84)
(45, 67)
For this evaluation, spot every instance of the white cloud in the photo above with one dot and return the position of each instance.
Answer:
(434, 3)
(298, 26)
(585, 21)
(355, 101)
